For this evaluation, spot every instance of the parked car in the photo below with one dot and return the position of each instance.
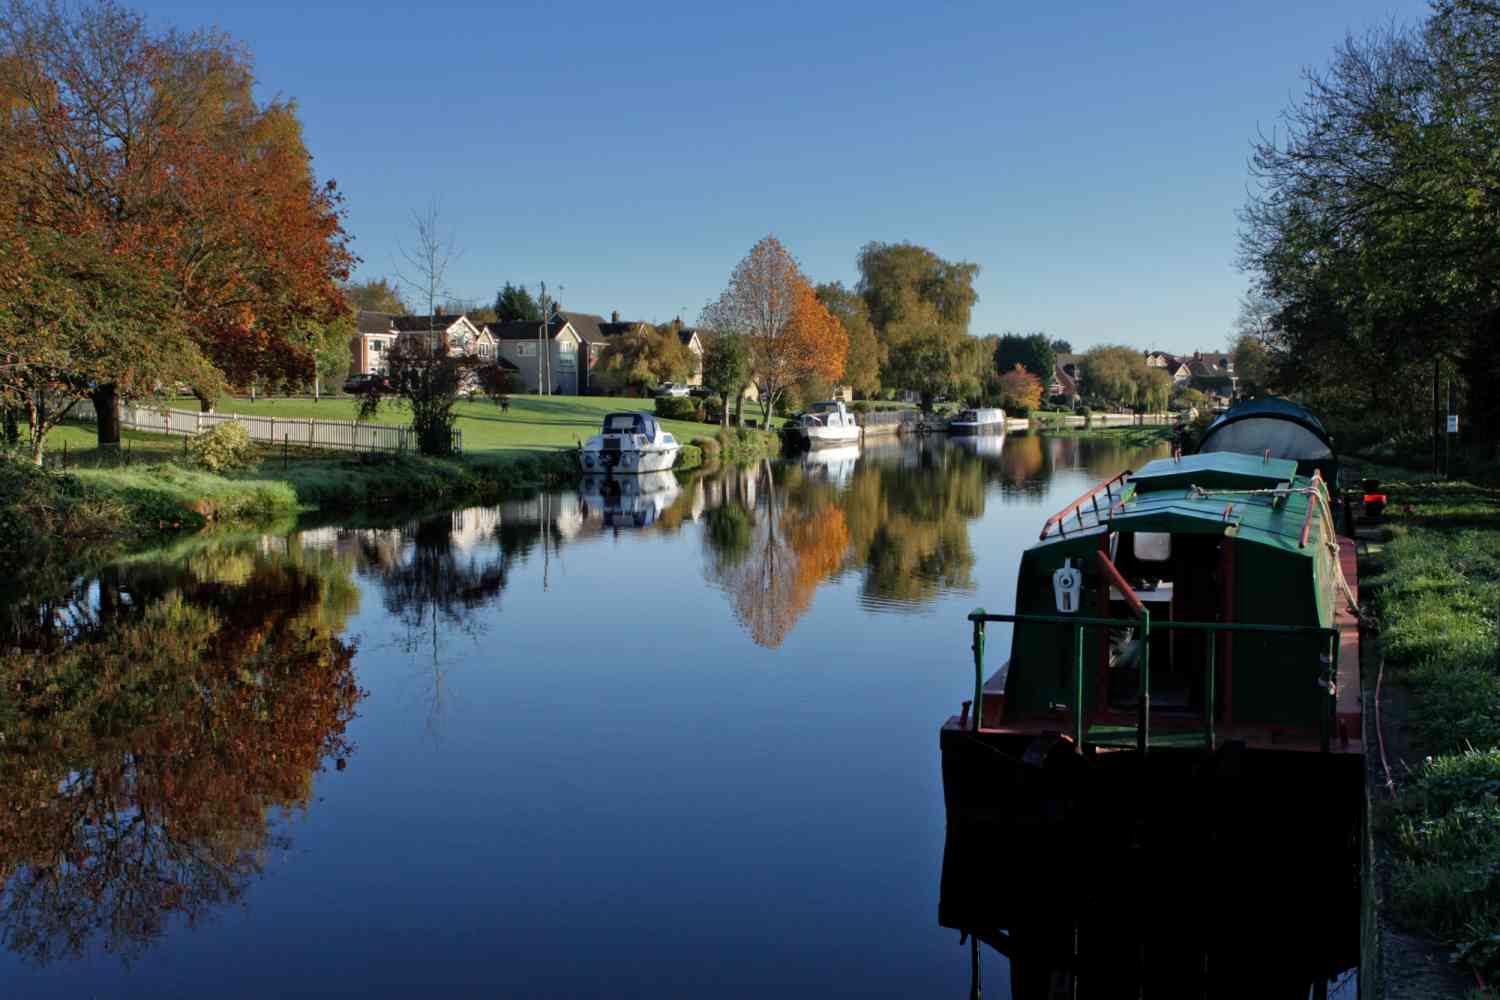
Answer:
(358, 384)
(700, 391)
(671, 389)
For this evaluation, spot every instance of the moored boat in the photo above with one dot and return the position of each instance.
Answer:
(975, 422)
(827, 423)
(629, 443)
(1185, 622)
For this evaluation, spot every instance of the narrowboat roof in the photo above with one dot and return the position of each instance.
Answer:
(1202, 494)
(1214, 470)
(1263, 519)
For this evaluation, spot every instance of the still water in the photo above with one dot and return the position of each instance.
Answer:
(676, 742)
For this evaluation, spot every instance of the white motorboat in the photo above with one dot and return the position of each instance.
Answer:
(826, 423)
(969, 422)
(629, 501)
(628, 444)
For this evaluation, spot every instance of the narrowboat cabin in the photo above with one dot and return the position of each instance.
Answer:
(976, 422)
(1185, 620)
(629, 443)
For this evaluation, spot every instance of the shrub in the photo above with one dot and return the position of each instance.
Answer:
(710, 447)
(860, 406)
(744, 434)
(227, 446)
(689, 456)
(713, 409)
(676, 407)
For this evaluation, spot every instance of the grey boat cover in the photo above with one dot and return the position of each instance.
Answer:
(1278, 425)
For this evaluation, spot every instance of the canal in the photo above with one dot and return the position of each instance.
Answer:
(668, 742)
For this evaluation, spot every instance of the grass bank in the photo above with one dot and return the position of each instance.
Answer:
(1436, 589)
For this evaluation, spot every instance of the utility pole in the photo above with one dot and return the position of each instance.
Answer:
(1437, 416)
(543, 355)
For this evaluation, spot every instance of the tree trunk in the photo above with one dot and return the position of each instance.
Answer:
(106, 400)
(724, 412)
(36, 415)
(205, 404)
(12, 425)
(739, 408)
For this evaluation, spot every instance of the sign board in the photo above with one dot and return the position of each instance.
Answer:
(1453, 423)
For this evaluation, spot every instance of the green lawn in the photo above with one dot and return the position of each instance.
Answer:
(533, 423)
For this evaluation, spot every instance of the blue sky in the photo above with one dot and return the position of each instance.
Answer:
(1090, 158)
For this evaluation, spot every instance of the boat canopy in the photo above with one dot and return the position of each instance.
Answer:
(631, 423)
(827, 406)
(1279, 426)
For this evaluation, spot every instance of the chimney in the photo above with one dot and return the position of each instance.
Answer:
(614, 317)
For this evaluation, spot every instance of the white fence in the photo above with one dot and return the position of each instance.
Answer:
(340, 435)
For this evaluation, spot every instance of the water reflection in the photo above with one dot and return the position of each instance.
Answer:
(155, 718)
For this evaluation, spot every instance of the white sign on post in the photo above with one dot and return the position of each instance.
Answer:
(1453, 423)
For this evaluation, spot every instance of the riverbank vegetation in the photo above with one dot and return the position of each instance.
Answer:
(1371, 236)
(1436, 590)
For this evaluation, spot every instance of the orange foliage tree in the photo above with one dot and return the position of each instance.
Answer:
(156, 150)
(1020, 391)
(791, 335)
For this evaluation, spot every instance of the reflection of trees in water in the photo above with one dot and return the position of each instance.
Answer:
(154, 717)
(771, 556)
(909, 526)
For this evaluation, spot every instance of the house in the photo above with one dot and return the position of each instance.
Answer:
(554, 352)
(1067, 373)
(457, 334)
(1213, 374)
(375, 334)
(694, 343)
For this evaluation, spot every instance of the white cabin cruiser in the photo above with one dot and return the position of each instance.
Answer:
(629, 501)
(826, 423)
(629, 443)
(990, 421)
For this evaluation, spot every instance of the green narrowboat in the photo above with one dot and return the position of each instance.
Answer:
(1174, 626)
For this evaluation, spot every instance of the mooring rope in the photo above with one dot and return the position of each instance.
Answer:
(1329, 539)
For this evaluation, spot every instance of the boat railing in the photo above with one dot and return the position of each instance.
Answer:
(1107, 488)
(1328, 661)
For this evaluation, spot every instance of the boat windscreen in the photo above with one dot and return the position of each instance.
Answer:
(968, 417)
(622, 423)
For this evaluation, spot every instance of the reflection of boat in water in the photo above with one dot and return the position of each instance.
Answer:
(629, 443)
(834, 463)
(630, 501)
(1102, 919)
(1182, 634)
(977, 422)
(827, 423)
(990, 444)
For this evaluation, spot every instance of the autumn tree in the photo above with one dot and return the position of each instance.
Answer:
(866, 353)
(643, 359)
(377, 295)
(1020, 391)
(789, 334)
(156, 149)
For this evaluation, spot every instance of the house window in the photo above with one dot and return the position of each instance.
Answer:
(377, 346)
(526, 349)
(564, 347)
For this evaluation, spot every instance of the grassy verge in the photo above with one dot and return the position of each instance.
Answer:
(1437, 591)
